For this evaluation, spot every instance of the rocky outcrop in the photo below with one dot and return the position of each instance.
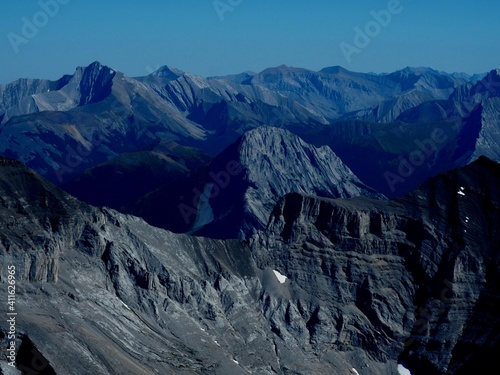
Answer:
(88, 85)
(98, 292)
(274, 162)
(415, 272)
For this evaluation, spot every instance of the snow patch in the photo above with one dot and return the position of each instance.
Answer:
(461, 193)
(354, 371)
(281, 278)
(216, 343)
(235, 361)
(403, 371)
(128, 308)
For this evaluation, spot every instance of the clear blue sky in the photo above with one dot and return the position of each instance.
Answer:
(137, 36)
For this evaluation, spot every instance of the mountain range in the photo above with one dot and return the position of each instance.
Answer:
(283, 222)
(67, 127)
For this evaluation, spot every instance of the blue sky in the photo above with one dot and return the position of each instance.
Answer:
(136, 37)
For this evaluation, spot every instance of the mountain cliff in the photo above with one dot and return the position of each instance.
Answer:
(420, 271)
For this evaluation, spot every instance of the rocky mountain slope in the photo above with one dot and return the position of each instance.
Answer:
(97, 115)
(234, 195)
(434, 249)
(368, 284)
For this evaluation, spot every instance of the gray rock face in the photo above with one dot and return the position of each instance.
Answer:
(101, 293)
(418, 270)
(88, 85)
(489, 134)
(368, 283)
(272, 162)
(17, 97)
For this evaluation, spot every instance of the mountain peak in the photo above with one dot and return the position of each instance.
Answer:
(96, 66)
(95, 83)
(283, 69)
(494, 73)
(419, 70)
(168, 72)
(275, 162)
(337, 69)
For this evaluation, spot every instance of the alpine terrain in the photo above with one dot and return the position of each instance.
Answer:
(290, 222)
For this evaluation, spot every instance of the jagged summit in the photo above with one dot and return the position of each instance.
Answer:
(274, 162)
(95, 83)
(168, 72)
(95, 65)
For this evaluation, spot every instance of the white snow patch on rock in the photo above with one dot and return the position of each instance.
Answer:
(403, 371)
(281, 278)
(128, 308)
